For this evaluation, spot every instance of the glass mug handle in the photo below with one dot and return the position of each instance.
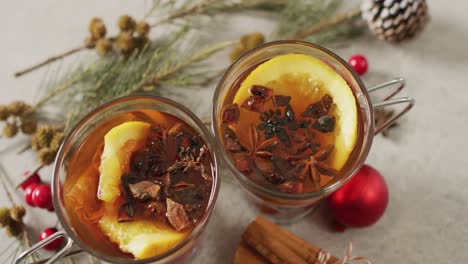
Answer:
(398, 85)
(44, 242)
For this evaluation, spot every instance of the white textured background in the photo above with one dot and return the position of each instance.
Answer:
(424, 162)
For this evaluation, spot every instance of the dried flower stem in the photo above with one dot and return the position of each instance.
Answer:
(325, 24)
(10, 197)
(49, 60)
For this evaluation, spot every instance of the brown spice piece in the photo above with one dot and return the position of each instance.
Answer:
(231, 142)
(260, 90)
(292, 187)
(325, 124)
(230, 114)
(175, 129)
(145, 190)
(254, 103)
(313, 166)
(157, 207)
(281, 100)
(181, 186)
(176, 215)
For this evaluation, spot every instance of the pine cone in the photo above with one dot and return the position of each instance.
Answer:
(126, 43)
(395, 20)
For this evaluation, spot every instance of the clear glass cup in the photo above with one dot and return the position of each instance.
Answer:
(73, 140)
(286, 207)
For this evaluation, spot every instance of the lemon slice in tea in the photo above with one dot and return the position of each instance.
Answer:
(310, 76)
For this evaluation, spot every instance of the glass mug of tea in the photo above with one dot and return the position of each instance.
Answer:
(135, 181)
(293, 122)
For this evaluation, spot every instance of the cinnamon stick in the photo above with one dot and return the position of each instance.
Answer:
(278, 245)
(244, 254)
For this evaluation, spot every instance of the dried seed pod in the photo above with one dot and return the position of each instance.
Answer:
(126, 23)
(10, 130)
(141, 42)
(28, 125)
(18, 108)
(252, 40)
(103, 46)
(44, 136)
(142, 28)
(14, 229)
(17, 213)
(90, 42)
(4, 112)
(125, 42)
(97, 28)
(47, 156)
(57, 140)
(5, 217)
(236, 53)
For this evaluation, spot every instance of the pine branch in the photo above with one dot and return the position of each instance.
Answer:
(49, 60)
(326, 24)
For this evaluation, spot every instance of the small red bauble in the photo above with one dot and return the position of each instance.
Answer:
(54, 244)
(42, 196)
(359, 63)
(362, 200)
(28, 194)
(34, 178)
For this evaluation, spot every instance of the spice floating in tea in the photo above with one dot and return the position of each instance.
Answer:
(153, 183)
(296, 125)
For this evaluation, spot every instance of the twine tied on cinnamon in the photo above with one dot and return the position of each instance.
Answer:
(265, 242)
(323, 257)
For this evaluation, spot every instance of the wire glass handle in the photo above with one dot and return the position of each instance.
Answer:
(397, 85)
(44, 242)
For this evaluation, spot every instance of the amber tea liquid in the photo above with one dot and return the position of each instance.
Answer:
(283, 141)
(188, 189)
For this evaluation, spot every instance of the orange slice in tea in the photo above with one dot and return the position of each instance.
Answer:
(143, 239)
(309, 76)
(119, 144)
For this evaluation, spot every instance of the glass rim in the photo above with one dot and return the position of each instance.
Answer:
(61, 214)
(240, 177)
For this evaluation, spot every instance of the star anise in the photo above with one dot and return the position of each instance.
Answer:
(260, 153)
(313, 165)
(306, 141)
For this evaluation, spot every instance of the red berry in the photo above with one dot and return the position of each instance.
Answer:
(42, 196)
(34, 178)
(359, 63)
(28, 194)
(54, 244)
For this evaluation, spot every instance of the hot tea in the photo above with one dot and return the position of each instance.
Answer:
(138, 184)
(290, 123)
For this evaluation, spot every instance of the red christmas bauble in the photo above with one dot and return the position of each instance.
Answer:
(42, 196)
(362, 200)
(359, 63)
(54, 244)
(28, 194)
(34, 178)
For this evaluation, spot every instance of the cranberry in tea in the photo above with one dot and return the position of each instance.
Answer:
(139, 184)
(290, 123)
